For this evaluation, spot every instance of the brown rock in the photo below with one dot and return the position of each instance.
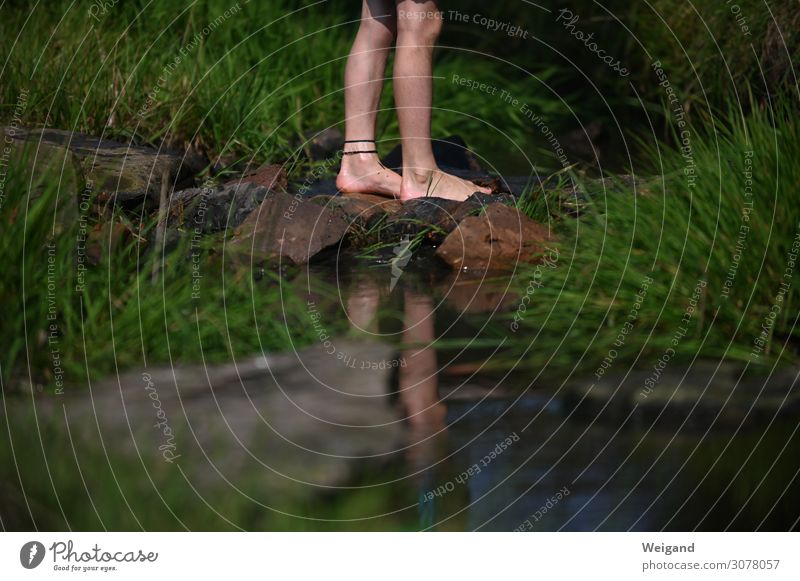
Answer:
(273, 177)
(286, 227)
(496, 240)
(437, 217)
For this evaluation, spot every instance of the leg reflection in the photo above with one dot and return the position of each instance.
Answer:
(419, 397)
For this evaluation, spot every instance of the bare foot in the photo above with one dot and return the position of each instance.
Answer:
(437, 184)
(364, 174)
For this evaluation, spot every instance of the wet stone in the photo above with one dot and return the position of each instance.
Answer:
(498, 239)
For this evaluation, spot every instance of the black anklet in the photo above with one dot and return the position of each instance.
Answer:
(360, 141)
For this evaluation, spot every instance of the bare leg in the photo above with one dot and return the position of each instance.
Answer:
(418, 27)
(362, 307)
(363, 78)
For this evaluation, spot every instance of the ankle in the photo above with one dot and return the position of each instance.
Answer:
(357, 163)
(419, 175)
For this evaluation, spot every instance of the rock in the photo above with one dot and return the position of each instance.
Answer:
(213, 209)
(451, 154)
(47, 164)
(287, 227)
(433, 216)
(437, 217)
(360, 209)
(496, 240)
(124, 172)
(518, 185)
(478, 202)
(323, 144)
(273, 177)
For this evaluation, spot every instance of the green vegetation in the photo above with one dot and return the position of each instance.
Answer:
(234, 81)
(720, 217)
(697, 260)
(715, 51)
(246, 86)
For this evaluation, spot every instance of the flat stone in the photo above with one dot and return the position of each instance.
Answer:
(363, 209)
(285, 227)
(127, 173)
(498, 239)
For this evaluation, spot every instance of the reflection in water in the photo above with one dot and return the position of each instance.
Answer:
(313, 439)
(418, 385)
(419, 396)
(527, 461)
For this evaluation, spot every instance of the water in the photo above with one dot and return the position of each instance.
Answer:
(393, 420)
(489, 452)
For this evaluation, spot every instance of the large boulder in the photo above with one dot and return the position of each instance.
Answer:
(286, 227)
(498, 239)
(122, 171)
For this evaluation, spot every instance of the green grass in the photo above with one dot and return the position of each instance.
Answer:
(250, 88)
(268, 73)
(679, 235)
(715, 50)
